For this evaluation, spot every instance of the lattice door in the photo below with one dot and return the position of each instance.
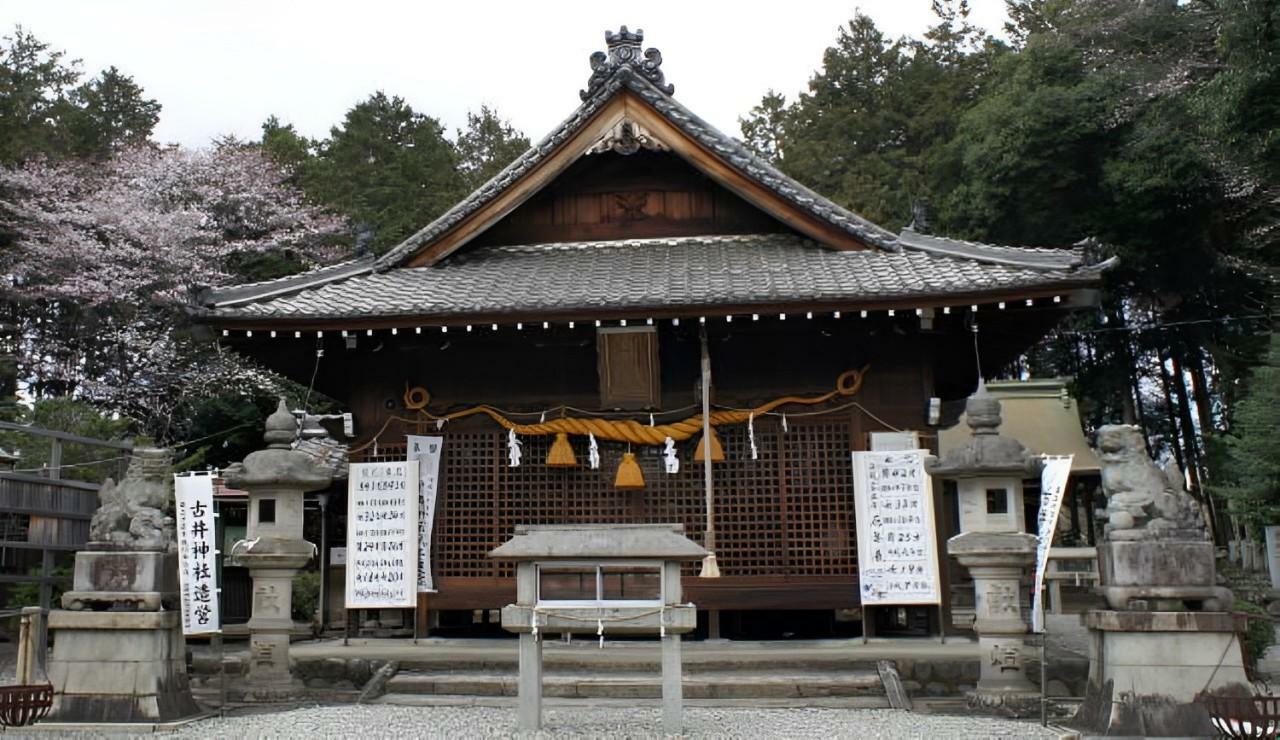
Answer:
(787, 512)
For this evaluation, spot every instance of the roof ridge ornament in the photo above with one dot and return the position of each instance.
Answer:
(627, 137)
(624, 51)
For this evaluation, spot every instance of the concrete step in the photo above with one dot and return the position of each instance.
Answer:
(633, 657)
(454, 700)
(735, 684)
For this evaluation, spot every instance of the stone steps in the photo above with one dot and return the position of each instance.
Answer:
(624, 684)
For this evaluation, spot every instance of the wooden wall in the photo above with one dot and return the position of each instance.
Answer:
(611, 196)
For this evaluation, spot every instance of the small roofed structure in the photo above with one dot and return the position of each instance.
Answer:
(593, 579)
(1040, 414)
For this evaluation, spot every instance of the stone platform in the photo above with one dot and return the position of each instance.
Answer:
(784, 673)
(1146, 669)
(118, 667)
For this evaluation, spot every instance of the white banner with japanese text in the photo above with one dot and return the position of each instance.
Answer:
(197, 553)
(893, 502)
(426, 450)
(382, 535)
(1053, 485)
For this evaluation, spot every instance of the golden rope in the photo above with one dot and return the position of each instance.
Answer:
(630, 430)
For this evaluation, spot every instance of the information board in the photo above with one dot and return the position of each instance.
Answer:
(426, 450)
(897, 553)
(197, 553)
(382, 535)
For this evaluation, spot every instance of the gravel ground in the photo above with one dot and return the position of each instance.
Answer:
(624, 722)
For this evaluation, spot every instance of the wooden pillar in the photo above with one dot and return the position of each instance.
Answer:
(422, 615)
(46, 595)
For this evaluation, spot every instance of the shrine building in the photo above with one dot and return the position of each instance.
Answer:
(568, 304)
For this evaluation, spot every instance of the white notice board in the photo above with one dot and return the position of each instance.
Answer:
(897, 556)
(382, 535)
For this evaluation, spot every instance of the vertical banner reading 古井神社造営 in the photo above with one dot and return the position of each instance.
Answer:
(197, 553)
(893, 501)
(382, 535)
(426, 450)
(1053, 485)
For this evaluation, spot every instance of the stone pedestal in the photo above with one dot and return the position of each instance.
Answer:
(112, 579)
(118, 650)
(118, 667)
(997, 561)
(1145, 669)
(270, 627)
(1160, 575)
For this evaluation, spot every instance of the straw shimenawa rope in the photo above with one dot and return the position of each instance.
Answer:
(629, 430)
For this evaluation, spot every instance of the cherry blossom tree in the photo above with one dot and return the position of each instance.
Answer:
(106, 255)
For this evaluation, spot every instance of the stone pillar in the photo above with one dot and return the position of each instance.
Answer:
(273, 550)
(997, 561)
(672, 688)
(529, 712)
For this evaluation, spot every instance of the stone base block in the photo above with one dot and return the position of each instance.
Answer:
(1004, 703)
(118, 667)
(1160, 575)
(136, 580)
(1146, 668)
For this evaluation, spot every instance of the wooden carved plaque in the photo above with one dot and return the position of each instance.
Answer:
(628, 365)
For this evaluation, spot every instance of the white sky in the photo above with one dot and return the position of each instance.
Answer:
(223, 66)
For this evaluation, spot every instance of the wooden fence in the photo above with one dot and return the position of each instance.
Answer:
(43, 517)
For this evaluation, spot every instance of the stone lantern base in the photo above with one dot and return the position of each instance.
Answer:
(1146, 668)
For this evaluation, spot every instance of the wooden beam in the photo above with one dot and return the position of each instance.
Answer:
(64, 436)
(526, 187)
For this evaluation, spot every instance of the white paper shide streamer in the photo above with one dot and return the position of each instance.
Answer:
(513, 449)
(669, 458)
(593, 452)
(751, 435)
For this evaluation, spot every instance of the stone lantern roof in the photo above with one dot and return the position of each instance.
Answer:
(987, 452)
(279, 464)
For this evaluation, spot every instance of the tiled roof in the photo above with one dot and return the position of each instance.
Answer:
(657, 274)
(653, 273)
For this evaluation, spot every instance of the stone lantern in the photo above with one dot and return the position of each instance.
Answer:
(993, 544)
(273, 550)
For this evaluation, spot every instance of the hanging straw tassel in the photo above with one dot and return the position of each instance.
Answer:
(561, 454)
(717, 451)
(629, 475)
